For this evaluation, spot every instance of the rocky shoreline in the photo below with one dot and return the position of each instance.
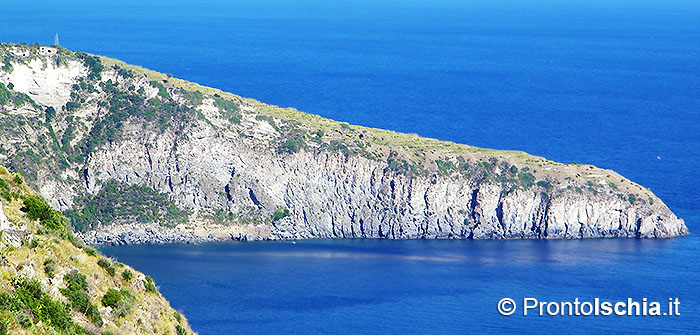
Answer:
(138, 233)
(135, 234)
(119, 235)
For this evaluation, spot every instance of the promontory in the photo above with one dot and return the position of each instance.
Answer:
(135, 156)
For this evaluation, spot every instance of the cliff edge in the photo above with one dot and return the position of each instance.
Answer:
(136, 156)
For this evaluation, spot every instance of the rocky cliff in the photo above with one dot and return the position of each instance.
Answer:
(93, 130)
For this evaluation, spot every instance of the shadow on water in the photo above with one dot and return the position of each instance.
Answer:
(514, 252)
(485, 252)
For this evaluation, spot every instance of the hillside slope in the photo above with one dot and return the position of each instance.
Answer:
(50, 283)
(135, 156)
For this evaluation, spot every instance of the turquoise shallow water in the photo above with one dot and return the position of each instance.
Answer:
(613, 84)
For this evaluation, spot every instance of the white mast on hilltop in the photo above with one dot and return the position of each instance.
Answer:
(55, 39)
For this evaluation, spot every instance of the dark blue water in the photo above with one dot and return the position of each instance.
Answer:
(611, 83)
(417, 287)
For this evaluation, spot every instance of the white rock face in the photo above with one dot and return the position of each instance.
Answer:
(4, 223)
(44, 81)
(11, 235)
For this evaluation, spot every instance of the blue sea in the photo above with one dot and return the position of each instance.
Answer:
(610, 83)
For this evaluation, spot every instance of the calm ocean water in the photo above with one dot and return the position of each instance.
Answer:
(611, 83)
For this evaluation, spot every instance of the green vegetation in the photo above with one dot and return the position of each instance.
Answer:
(120, 300)
(593, 188)
(107, 265)
(526, 179)
(291, 145)
(123, 100)
(68, 136)
(127, 275)
(228, 110)
(93, 64)
(5, 94)
(49, 267)
(111, 298)
(162, 112)
(118, 202)
(123, 72)
(17, 98)
(5, 190)
(445, 167)
(28, 304)
(338, 146)
(448, 167)
(268, 120)
(348, 139)
(90, 251)
(37, 209)
(162, 91)
(544, 184)
(6, 65)
(397, 164)
(71, 106)
(50, 113)
(195, 97)
(77, 293)
(280, 213)
(149, 284)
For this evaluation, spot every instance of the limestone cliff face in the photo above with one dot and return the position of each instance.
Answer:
(261, 172)
(4, 224)
(331, 195)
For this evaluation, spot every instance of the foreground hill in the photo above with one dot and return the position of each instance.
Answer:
(135, 156)
(50, 283)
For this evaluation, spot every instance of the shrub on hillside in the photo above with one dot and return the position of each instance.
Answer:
(49, 267)
(90, 251)
(77, 294)
(117, 202)
(111, 298)
(120, 301)
(149, 284)
(32, 304)
(526, 179)
(107, 265)
(6, 191)
(280, 214)
(37, 209)
(127, 275)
